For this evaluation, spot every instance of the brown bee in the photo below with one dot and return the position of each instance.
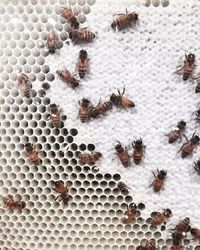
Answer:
(122, 154)
(12, 204)
(130, 214)
(63, 191)
(150, 245)
(183, 226)
(188, 67)
(67, 77)
(138, 150)
(121, 100)
(68, 14)
(159, 180)
(197, 115)
(81, 35)
(52, 42)
(32, 154)
(197, 166)
(55, 114)
(122, 187)
(196, 233)
(24, 85)
(188, 147)
(125, 20)
(103, 107)
(89, 158)
(177, 132)
(176, 241)
(197, 89)
(160, 218)
(82, 65)
(84, 110)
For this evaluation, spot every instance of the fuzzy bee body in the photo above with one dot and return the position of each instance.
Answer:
(68, 14)
(84, 110)
(159, 180)
(122, 187)
(176, 241)
(150, 245)
(10, 203)
(89, 158)
(197, 89)
(177, 133)
(63, 191)
(103, 107)
(195, 232)
(81, 35)
(183, 226)
(188, 67)
(52, 41)
(32, 154)
(188, 147)
(67, 77)
(55, 114)
(138, 151)
(120, 100)
(160, 218)
(82, 64)
(130, 214)
(122, 154)
(24, 85)
(125, 20)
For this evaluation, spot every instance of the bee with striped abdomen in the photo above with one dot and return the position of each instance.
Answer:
(125, 20)
(63, 191)
(68, 14)
(159, 180)
(81, 35)
(120, 100)
(196, 233)
(177, 241)
(67, 77)
(82, 64)
(183, 226)
(138, 152)
(158, 218)
(150, 245)
(122, 187)
(177, 132)
(89, 158)
(84, 110)
(32, 154)
(103, 107)
(188, 147)
(189, 65)
(130, 214)
(122, 153)
(10, 203)
(24, 85)
(52, 41)
(55, 114)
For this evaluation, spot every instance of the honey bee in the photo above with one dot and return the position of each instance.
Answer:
(125, 20)
(158, 182)
(24, 85)
(160, 218)
(67, 77)
(177, 133)
(100, 109)
(81, 35)
(130, 214)
(52, 42)
(183, 226)
(84, 110)
(12, 204)
(32, 154)
(82, 65)
(150, 245)
(188, 147)
(122, 154)
(63, 191)
(122, 187)
(197, 115)
(188, 67)
(138, 151)
(195, 232)
(89, 158)
(55, 114)
(121, 100)
(176, 241)
(94, 112)
(197, 89)
(68, 14)
(197, 166)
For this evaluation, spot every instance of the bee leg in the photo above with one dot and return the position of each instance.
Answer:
(123, 90)
(186, 136)
(179, 71)
(181, 148)
(153, 175)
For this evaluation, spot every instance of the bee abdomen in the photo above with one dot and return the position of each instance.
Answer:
(186, 75)
(56, 122)
(137, 157)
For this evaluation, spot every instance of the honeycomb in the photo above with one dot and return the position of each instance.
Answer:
(92, 219)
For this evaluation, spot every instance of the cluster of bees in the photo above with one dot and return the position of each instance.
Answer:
(89, 111)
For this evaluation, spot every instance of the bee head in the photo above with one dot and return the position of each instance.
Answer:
(133, 205)
(99, 154)
(163, 172)
(138, 142)
(85, 102)
(83, 54)
(53, 105)
(113, 98)
(71, 34)
(28, 146)
(168, 212)
(135, 16)
(58, 183)
(76, 25)
(195, 139)
(193, 231)
(181, 124)
(94, 112)
(118, 147)
(191, 56)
